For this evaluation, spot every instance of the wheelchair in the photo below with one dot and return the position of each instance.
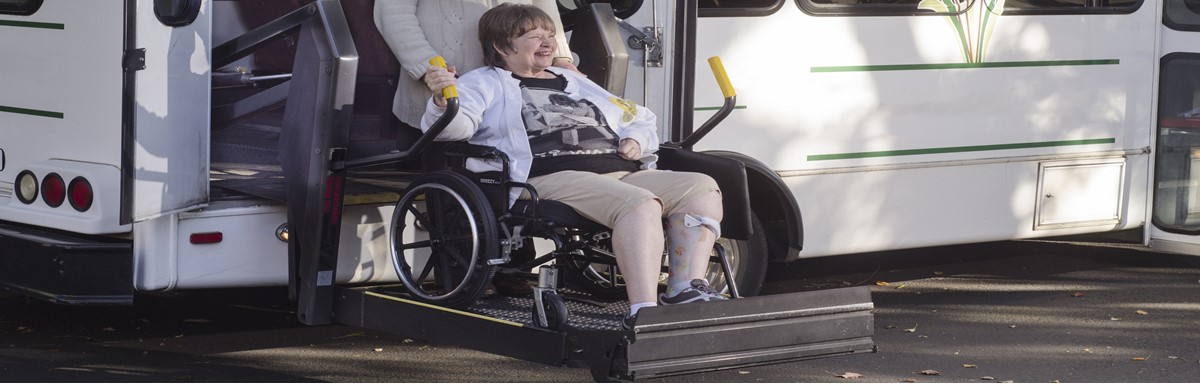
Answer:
(452, 228)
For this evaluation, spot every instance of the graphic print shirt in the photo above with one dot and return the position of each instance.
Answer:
(566, 134)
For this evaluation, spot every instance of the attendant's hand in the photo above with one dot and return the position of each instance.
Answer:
(438, 78)
(567, 64)
(630, 149)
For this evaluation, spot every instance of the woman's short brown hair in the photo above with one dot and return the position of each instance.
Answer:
(499, 25)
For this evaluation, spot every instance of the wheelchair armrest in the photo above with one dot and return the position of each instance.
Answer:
(465, 149)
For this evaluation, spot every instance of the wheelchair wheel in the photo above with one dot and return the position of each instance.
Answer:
(747, 259)
(556, 312)
(443, 234)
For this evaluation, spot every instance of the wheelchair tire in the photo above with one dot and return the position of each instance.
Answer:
(444, 219)
(556, 312)
(747, 259)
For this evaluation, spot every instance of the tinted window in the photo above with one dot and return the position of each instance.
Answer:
(1182, 14)
(19, 7)
(1025, 7)
(1177, 158)
(883, 7)
(739, 7)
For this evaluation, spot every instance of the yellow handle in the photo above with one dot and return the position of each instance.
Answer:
(448, 92)
(722, 77)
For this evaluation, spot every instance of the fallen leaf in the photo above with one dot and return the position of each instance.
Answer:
(889, 327)
(938, 273)
(901, 286)
(968, 365)
(1141, 312)
(406, 341)
(1173, 357)
(882, 283)
(378, 349)
(179, 336)
(911, 330)
(109, 329)
(1140, 358)
(910, 380)
(1006, 381)
(987, 378)
(1077, 294)
(743, 372)
(1012, 326)
(930, 372)
(849, 375)
(352, 334)
(1111, 317)
(923, 336)
(1088, 350)
(24, 330)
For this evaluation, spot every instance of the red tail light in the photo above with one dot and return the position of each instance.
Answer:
(79, 193)
(54, 190)
(207, 238)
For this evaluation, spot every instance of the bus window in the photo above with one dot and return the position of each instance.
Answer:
(1037, 7)
(1177, 158)
(1182, 15)
(621, 8)
(881, 7)
(719, 8)
(19, 7)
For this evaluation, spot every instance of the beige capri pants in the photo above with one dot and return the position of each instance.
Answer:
(606, 198)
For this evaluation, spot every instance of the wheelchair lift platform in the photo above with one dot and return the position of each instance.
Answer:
(672, 340)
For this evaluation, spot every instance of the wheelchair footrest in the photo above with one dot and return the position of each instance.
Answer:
(748, 331)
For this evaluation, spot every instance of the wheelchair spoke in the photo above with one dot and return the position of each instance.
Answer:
(453, 252)
(425, 273)
(419, 217)
(415, 245)
(446, 274)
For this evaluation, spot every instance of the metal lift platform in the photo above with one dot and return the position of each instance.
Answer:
(673, 340)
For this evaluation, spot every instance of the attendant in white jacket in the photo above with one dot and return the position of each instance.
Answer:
(417, 30)
(580, 145)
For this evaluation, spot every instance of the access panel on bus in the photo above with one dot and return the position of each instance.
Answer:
(61, 81)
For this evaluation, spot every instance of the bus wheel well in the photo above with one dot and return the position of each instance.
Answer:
(775, 207)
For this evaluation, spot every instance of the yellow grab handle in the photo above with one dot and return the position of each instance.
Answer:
(722, 77)
(448, 92)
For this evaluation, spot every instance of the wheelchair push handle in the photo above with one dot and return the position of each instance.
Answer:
(730, 102)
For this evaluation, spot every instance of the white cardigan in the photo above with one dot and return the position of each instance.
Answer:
(417, 30)
(490, 114)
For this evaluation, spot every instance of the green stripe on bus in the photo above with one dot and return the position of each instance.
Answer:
(34, 112)
(999, 64)
(31, 24)
(716, 108)
(972, 148)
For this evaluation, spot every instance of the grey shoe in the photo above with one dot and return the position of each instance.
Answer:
(699, 291)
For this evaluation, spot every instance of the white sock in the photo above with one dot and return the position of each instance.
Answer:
(633, 308)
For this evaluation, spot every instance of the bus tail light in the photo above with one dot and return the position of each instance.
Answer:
(79, 193)
(54, 190)
(27, 187)
(207, 237)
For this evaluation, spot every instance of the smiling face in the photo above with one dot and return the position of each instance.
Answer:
(531, 53)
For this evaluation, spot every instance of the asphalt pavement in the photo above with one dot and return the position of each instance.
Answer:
(1023, 311)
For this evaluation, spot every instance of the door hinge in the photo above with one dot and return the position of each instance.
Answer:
(135, 60)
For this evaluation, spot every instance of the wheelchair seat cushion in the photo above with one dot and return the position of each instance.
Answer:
(560, 214)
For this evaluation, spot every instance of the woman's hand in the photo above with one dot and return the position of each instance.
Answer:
(437, 79)
(567, 64)
(630, 149)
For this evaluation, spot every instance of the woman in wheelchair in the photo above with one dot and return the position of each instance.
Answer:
(578, 144)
